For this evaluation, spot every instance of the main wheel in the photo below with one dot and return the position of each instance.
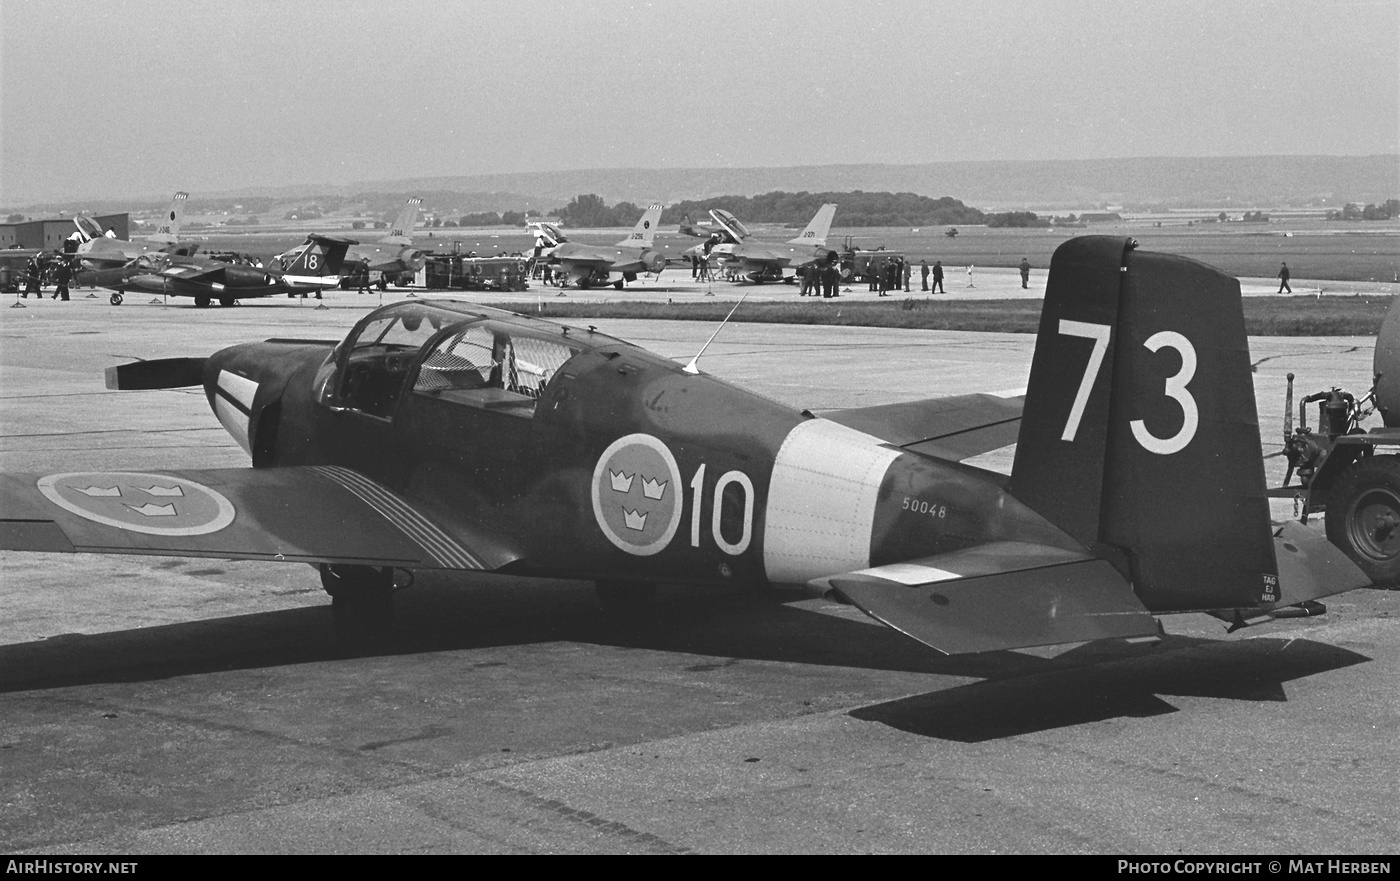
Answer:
(1363, 517)
(362, 600)
(226, 301)
(201, 302)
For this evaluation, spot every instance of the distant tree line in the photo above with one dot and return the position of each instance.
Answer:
(1351, 211)
(856, 208)
(591, 211)
(491, 218)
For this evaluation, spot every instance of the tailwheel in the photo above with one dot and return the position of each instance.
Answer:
(362, 600)
(1363, 517)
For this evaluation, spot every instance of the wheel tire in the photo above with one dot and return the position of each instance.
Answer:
(201, 302)
(1363, 517)
(226, 301)
(115, 299)
(362, 601)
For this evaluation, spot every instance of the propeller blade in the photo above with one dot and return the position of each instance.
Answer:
(158, 374)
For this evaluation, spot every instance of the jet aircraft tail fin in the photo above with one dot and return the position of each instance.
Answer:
(168, 230)
(644, 233)
(815, 233)
(321, 257)
(401, 233)
(1140, 436)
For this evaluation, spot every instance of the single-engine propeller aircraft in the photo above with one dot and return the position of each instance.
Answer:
(762, 261)
(587, 265)
(313, 265)
(394, 254)
(451, 436)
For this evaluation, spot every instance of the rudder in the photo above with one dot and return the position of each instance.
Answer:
(1140, 436)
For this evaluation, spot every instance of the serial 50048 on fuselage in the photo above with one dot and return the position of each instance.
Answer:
(443, 435)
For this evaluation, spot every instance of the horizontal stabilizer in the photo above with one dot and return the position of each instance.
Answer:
(953, 428)
(958, 604)
(1310, 566)
(158, 374)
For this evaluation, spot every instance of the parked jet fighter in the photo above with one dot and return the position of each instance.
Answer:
(587, 265)
(760, 262)
(99, 251)
(394, 254)
(451, 436)
(314, 265)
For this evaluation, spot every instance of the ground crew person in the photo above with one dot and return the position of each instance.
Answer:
(1025, 272)
(32, 276)
(923, 275)
(938, 277)
(1283, 279)
(62, 274)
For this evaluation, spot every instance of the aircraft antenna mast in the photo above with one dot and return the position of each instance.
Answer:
(693, 367)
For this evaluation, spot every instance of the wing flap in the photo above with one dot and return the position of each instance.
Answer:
(999, 596)
(299, 514)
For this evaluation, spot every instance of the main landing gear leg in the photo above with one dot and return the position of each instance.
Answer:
(362, 600)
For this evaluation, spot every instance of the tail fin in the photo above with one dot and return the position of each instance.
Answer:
(401, 233)
(815, 233)
(168, 230)
(320, 258)
(1140, 436)
(644, 233)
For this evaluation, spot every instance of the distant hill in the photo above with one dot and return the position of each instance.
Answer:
(1241, 182)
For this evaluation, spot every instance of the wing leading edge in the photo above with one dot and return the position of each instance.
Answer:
(312, 514)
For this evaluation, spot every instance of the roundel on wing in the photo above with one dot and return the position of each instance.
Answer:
(637, 494)
(154, 504)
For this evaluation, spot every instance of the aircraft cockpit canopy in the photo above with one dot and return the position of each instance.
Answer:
(443, 352)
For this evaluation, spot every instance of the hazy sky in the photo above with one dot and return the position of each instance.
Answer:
(116, 98)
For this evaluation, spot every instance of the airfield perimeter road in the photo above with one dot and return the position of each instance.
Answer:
(159, 705)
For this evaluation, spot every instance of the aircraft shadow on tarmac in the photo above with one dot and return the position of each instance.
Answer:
(1075, 694)
(1018, 693)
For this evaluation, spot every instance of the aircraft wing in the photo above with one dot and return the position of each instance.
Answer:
(952, 428)
(997, 596)
(311, 514)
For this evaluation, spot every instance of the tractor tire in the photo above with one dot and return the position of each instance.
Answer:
(1363, 517)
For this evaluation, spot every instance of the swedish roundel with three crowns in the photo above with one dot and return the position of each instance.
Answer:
(637, 494)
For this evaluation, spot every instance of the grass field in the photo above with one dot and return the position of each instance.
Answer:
(1264, 316)
(1314, 249)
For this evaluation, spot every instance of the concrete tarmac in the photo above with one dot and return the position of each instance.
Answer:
(159, 705)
